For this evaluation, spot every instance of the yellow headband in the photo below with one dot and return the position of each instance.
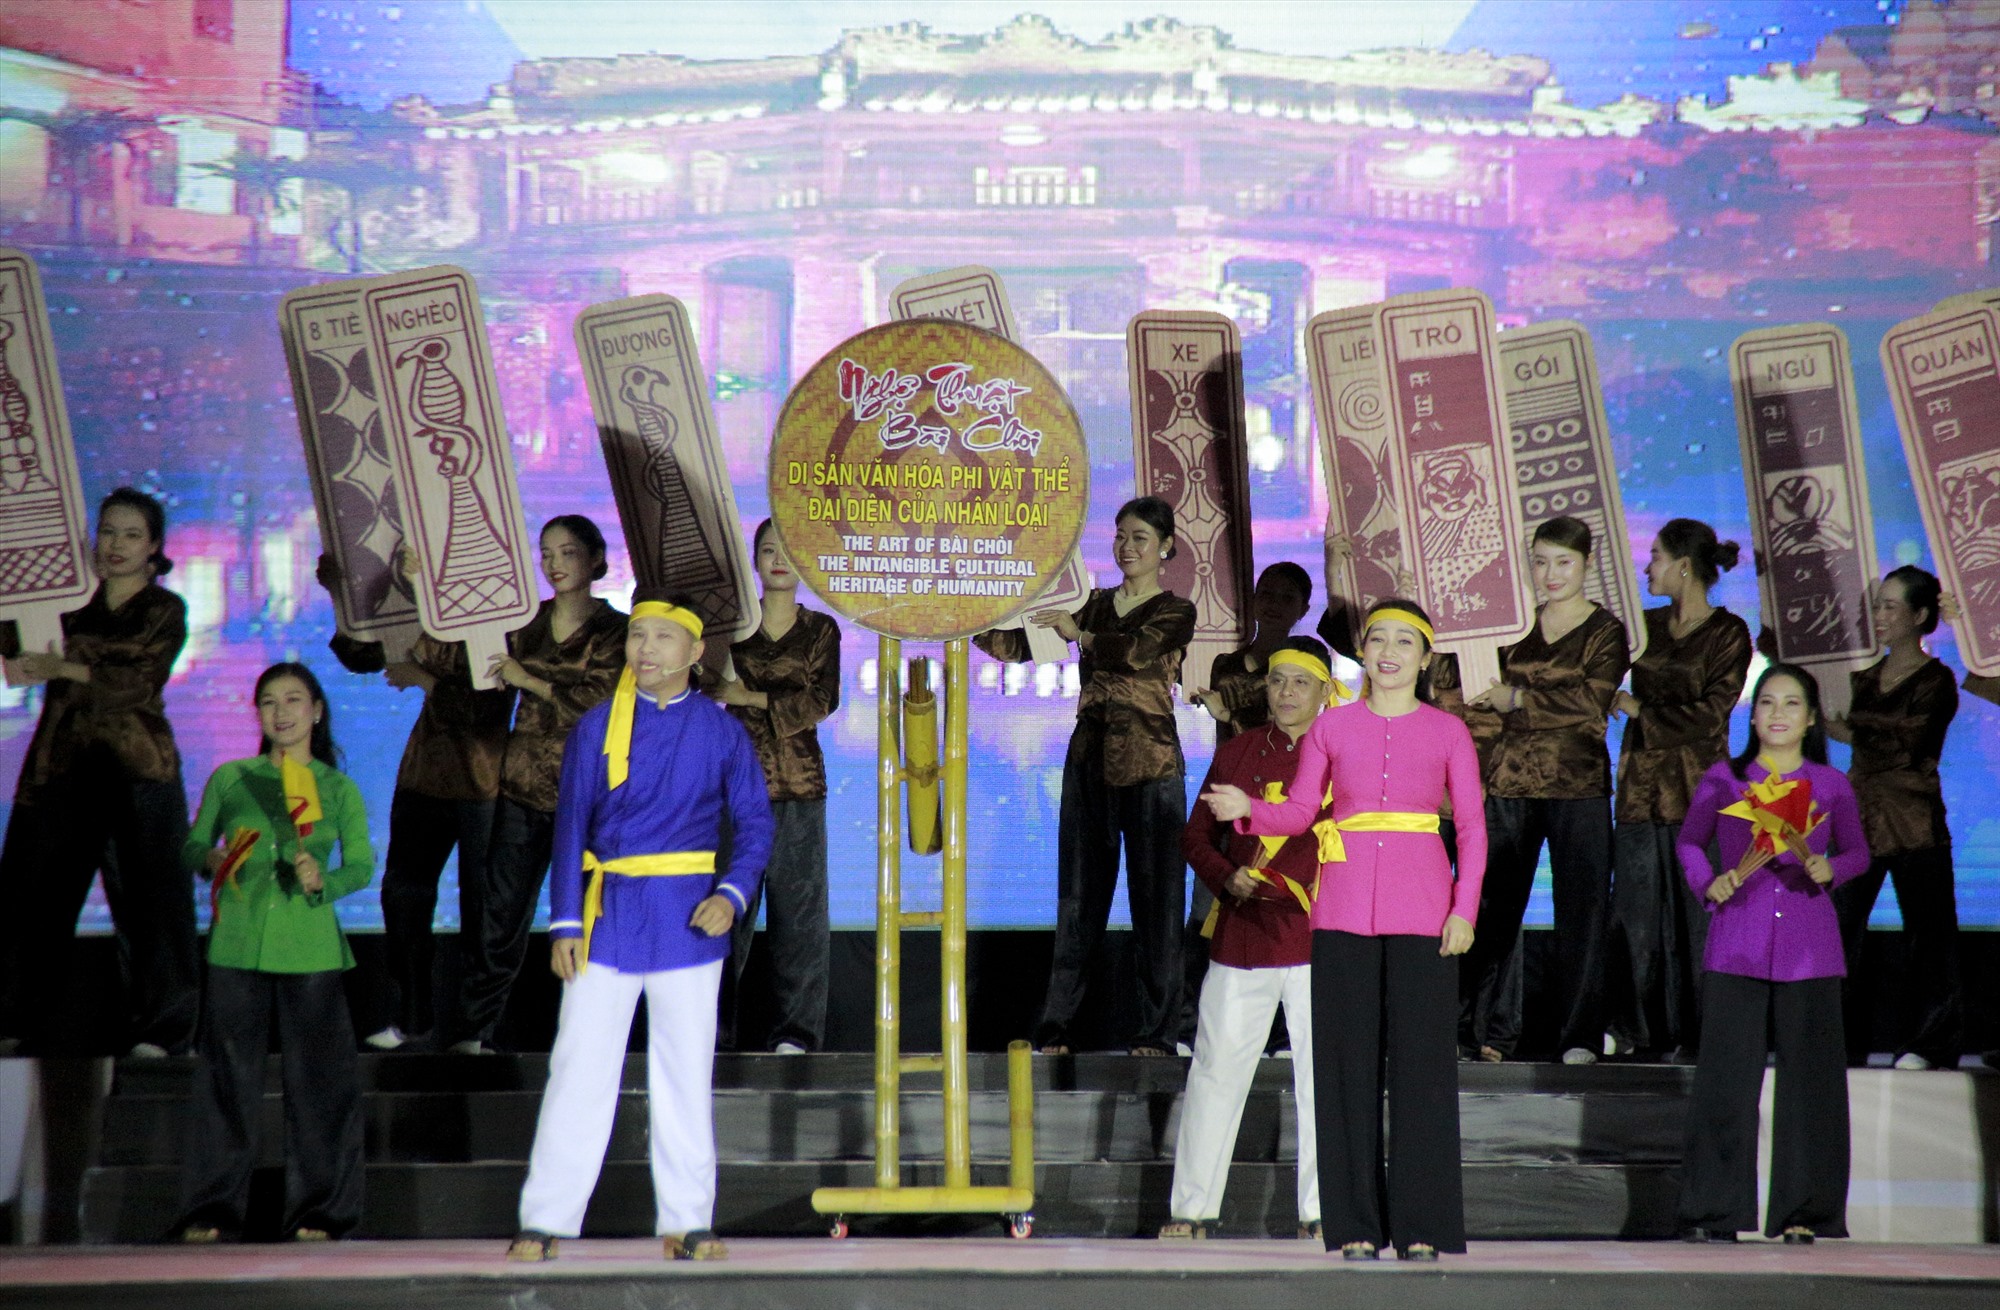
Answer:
(625, 700)
(1400, 616)
(659, 609)
(1336, 691)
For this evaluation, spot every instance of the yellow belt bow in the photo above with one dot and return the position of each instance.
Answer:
(1332, 850)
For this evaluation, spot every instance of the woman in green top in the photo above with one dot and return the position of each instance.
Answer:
(276, 950)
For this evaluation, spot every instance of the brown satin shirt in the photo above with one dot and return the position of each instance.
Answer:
(582, 670)
(800, 672)
(1898, 737)
(1552, 747)
(1242, 691)
(1686, 689)
(1128, 673)
(120, 713)
(460, 737)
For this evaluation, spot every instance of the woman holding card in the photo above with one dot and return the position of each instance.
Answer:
(1684, 687)
(1548, 779)
(566, 660)
(1788, 832)
(1898, 714)
(101, 787)
(265, 840)
(1123, 780)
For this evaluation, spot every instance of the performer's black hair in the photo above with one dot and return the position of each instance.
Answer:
(757, 537)
(1814, 743)
(155, 515)
(1286, 571)
(1306, 646)
(1921, 591)
(321, 745)
(1694, 541)
(1566, 532)
(586, 533)
(1155, 514)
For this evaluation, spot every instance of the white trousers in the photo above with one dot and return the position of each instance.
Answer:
(1237, 1006)
(585, 1071)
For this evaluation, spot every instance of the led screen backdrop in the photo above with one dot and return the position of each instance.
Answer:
(1702, 170)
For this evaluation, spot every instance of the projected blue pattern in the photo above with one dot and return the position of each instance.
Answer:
(1096, 190)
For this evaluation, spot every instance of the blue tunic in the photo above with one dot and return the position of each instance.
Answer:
(692, 767)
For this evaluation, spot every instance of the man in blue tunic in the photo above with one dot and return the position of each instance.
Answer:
(638, 906)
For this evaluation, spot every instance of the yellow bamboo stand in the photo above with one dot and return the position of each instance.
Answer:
(1015, 1201)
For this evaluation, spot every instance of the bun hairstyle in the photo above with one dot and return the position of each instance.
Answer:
(1814, 743)
(1694, 541)
(587, 533)
(1565, 532)
(156, 523)
(1921, 591)
(1397, 603)
(321, 745)
(1155, 514)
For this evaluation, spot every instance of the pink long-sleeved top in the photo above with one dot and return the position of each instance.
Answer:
(1392, 883)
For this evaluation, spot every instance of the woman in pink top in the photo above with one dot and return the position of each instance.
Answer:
(1387, 920)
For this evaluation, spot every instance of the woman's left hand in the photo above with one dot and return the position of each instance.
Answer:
(730, 691)
(307, 870)
(507, 669)
(1821, 871)
(1061, 620)
(1226, 802)
(1501, 698)
(1456, 938)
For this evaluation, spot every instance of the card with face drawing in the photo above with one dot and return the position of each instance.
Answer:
(975, 295)
(1451, 473)
(664, 453)
(1354, 453)
(44, 533)
(1563, 458)
(441, 421)
(1944, 376)
(1807, 487)
(1190, 448)
(347, 459)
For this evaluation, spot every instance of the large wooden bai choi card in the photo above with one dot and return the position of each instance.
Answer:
(44, 552)
(1563, 459)
(1353, 421)
(1190, 448)
(347, 457)
(664, 453)
(975, 295)
(1944, 375)
(1452, 474)
(441, 419)
(1807, 488)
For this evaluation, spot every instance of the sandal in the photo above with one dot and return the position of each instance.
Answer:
(1185, 1230)
(1312, 1232)
(1054, 1048)
(532, 1247)
(1359, 1251)
(303, 1234)
(1798, 1235)
(1422, 1252)
(695, 1244)
(199, 1235)
(1488, 1055)
(1148, 1049)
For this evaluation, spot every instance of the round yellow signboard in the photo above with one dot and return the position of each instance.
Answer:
(928, 479)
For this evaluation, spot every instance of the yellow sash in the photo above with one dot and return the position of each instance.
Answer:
(1274, 792)
(670, 864)
(1332, 850)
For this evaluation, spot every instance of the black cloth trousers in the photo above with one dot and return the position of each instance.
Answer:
(797, 934)
(1929, 903)
(1578, 833)
(1659, 930)
(1386, 1007)
(1743, 1021)
(422, 831)
(517, 864)
(1094, 818)
(324, 1160)
(81, 824)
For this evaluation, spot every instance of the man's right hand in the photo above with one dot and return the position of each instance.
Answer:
(566, 957)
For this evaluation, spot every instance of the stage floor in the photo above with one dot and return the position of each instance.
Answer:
(973, 1273)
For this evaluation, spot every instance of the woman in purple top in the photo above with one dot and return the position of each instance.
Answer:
(1774, 968)
(1387, 919)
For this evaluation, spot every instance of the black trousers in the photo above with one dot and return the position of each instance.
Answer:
(324, 1159)
(1578, 833)
(1385, 1003)
(1659, 931)
(422, 832)
(797, 933)
(1744, 1019)
(1929, 902)
(1147, 817)
(89, 822)
(517, 864)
